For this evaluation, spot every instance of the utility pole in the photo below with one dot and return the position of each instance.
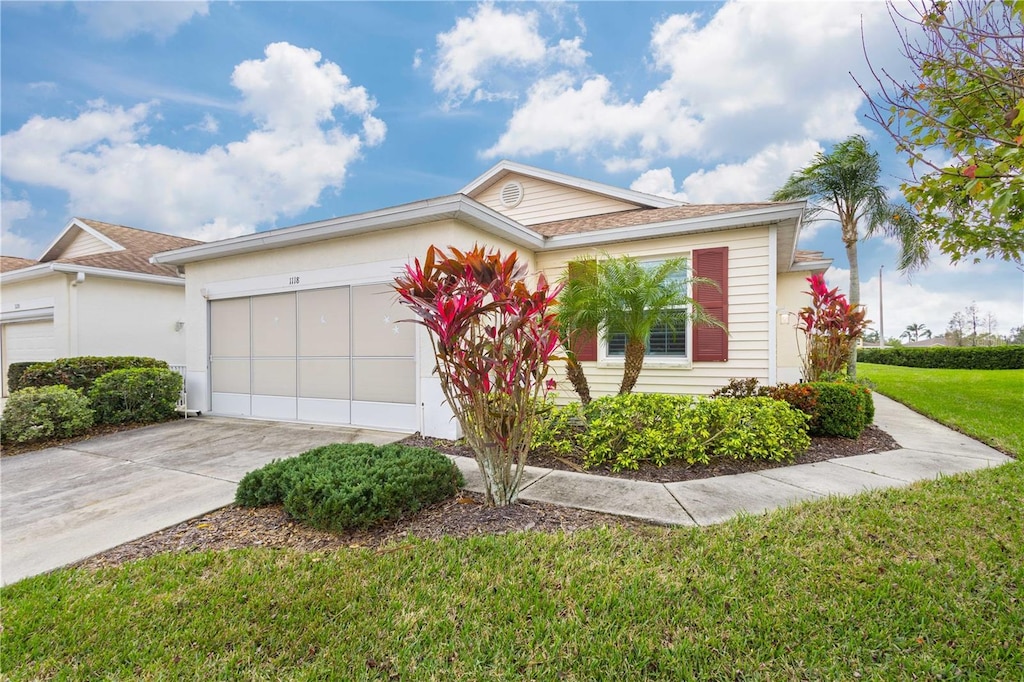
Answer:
(882, 314)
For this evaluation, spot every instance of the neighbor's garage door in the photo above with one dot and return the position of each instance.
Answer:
(27, 342)
(336, 355)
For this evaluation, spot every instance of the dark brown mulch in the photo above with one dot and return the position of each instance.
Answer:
(235, 527)
(873, 439)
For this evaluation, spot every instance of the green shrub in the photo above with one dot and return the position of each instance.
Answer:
(839, 409)
(761, 428)
(340, 487)
(941, 357)
(48, 412)
(624, 431)
(14, 372)
(742, 388)
(135, 395)
(79, 372)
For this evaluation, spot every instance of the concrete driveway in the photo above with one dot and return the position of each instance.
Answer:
(63, 504)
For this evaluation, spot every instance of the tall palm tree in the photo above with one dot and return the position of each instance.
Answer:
(628, 297)
(844, 185)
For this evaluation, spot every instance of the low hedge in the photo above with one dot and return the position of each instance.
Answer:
(148, 394)
(943, 357)
(625, 430)
(78, 372)
(343, 486)
(14, 372)
(33, 414)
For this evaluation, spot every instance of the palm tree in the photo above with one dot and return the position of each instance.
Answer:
(915, 331)
(625, 296)
(844, 186)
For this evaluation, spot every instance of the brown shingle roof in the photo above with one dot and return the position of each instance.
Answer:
(8, 263)
(138, 245)
(803, 256)
(642, 216)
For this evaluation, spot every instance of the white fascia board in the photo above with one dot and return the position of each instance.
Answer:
(75, 222)
(812, 266)
(31, 315)
(455, 206)
(628, 195)
(118, 274)
(31, 272)
(725, 221)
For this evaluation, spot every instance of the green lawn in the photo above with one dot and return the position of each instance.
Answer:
(918, 583)
(985, 404)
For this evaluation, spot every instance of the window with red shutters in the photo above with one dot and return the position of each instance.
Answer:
(711, 344)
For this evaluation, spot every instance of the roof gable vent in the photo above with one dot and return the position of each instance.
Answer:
(511, 194)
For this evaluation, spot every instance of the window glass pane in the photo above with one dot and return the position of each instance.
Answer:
(667, 339)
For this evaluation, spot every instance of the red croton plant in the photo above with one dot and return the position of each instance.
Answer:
(493, 338)
(831, 326)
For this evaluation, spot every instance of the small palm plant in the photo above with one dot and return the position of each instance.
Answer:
(626, 296)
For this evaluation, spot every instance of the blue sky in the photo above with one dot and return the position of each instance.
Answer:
(216, 119)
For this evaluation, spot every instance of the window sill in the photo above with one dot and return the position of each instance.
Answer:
(654, 363)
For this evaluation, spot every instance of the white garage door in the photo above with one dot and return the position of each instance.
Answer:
(336, 355)
(27, 342)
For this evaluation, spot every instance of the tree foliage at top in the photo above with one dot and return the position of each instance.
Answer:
(960, 121)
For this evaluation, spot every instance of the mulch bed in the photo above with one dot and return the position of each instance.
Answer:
(236, 527)
(872, 439)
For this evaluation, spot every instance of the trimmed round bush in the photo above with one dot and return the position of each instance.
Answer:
(840, 409)
(136, 395)
(356, 485)
(49, 412)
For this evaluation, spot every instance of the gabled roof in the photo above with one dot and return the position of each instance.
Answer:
(129, 248)
(504, 168)
(648, 216)
(116, 251)
(9, 263)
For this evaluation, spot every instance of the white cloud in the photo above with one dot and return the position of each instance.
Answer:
(489, 39)
(754, 73)
(103, 160)
(12, 243)
(122, 19)
(659, 182)
(209, 124)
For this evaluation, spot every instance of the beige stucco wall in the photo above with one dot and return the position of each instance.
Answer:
(18, 296)
(375, 257)
(749, 293)
(792, 298)
(125, 317)
(546, 201)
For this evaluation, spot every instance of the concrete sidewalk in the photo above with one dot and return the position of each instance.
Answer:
(929, 450)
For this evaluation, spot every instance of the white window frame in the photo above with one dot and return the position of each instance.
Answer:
(655, 360)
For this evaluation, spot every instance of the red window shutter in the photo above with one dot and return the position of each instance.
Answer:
(584, 342)
(711, 344)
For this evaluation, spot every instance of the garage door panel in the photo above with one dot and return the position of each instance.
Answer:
(322, 410)
(230, 375)
(273, 407)
(323, 316)
(229, 328)
(324, 378)
(273, 325)
(378, 323)
(387, 380)
(273, 376)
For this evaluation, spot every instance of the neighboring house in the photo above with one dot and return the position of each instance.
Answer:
(93, 292)
(930, 343)
(301, 323)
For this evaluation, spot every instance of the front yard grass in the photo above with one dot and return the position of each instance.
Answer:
(987, 404)
(918, 583)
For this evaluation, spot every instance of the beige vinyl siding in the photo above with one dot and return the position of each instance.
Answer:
(748, 317)
(84, 244)
(544, 202)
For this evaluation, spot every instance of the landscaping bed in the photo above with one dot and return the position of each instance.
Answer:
(872, 439)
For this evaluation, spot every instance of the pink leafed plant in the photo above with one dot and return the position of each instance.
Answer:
(494, 338)
(831, 327)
